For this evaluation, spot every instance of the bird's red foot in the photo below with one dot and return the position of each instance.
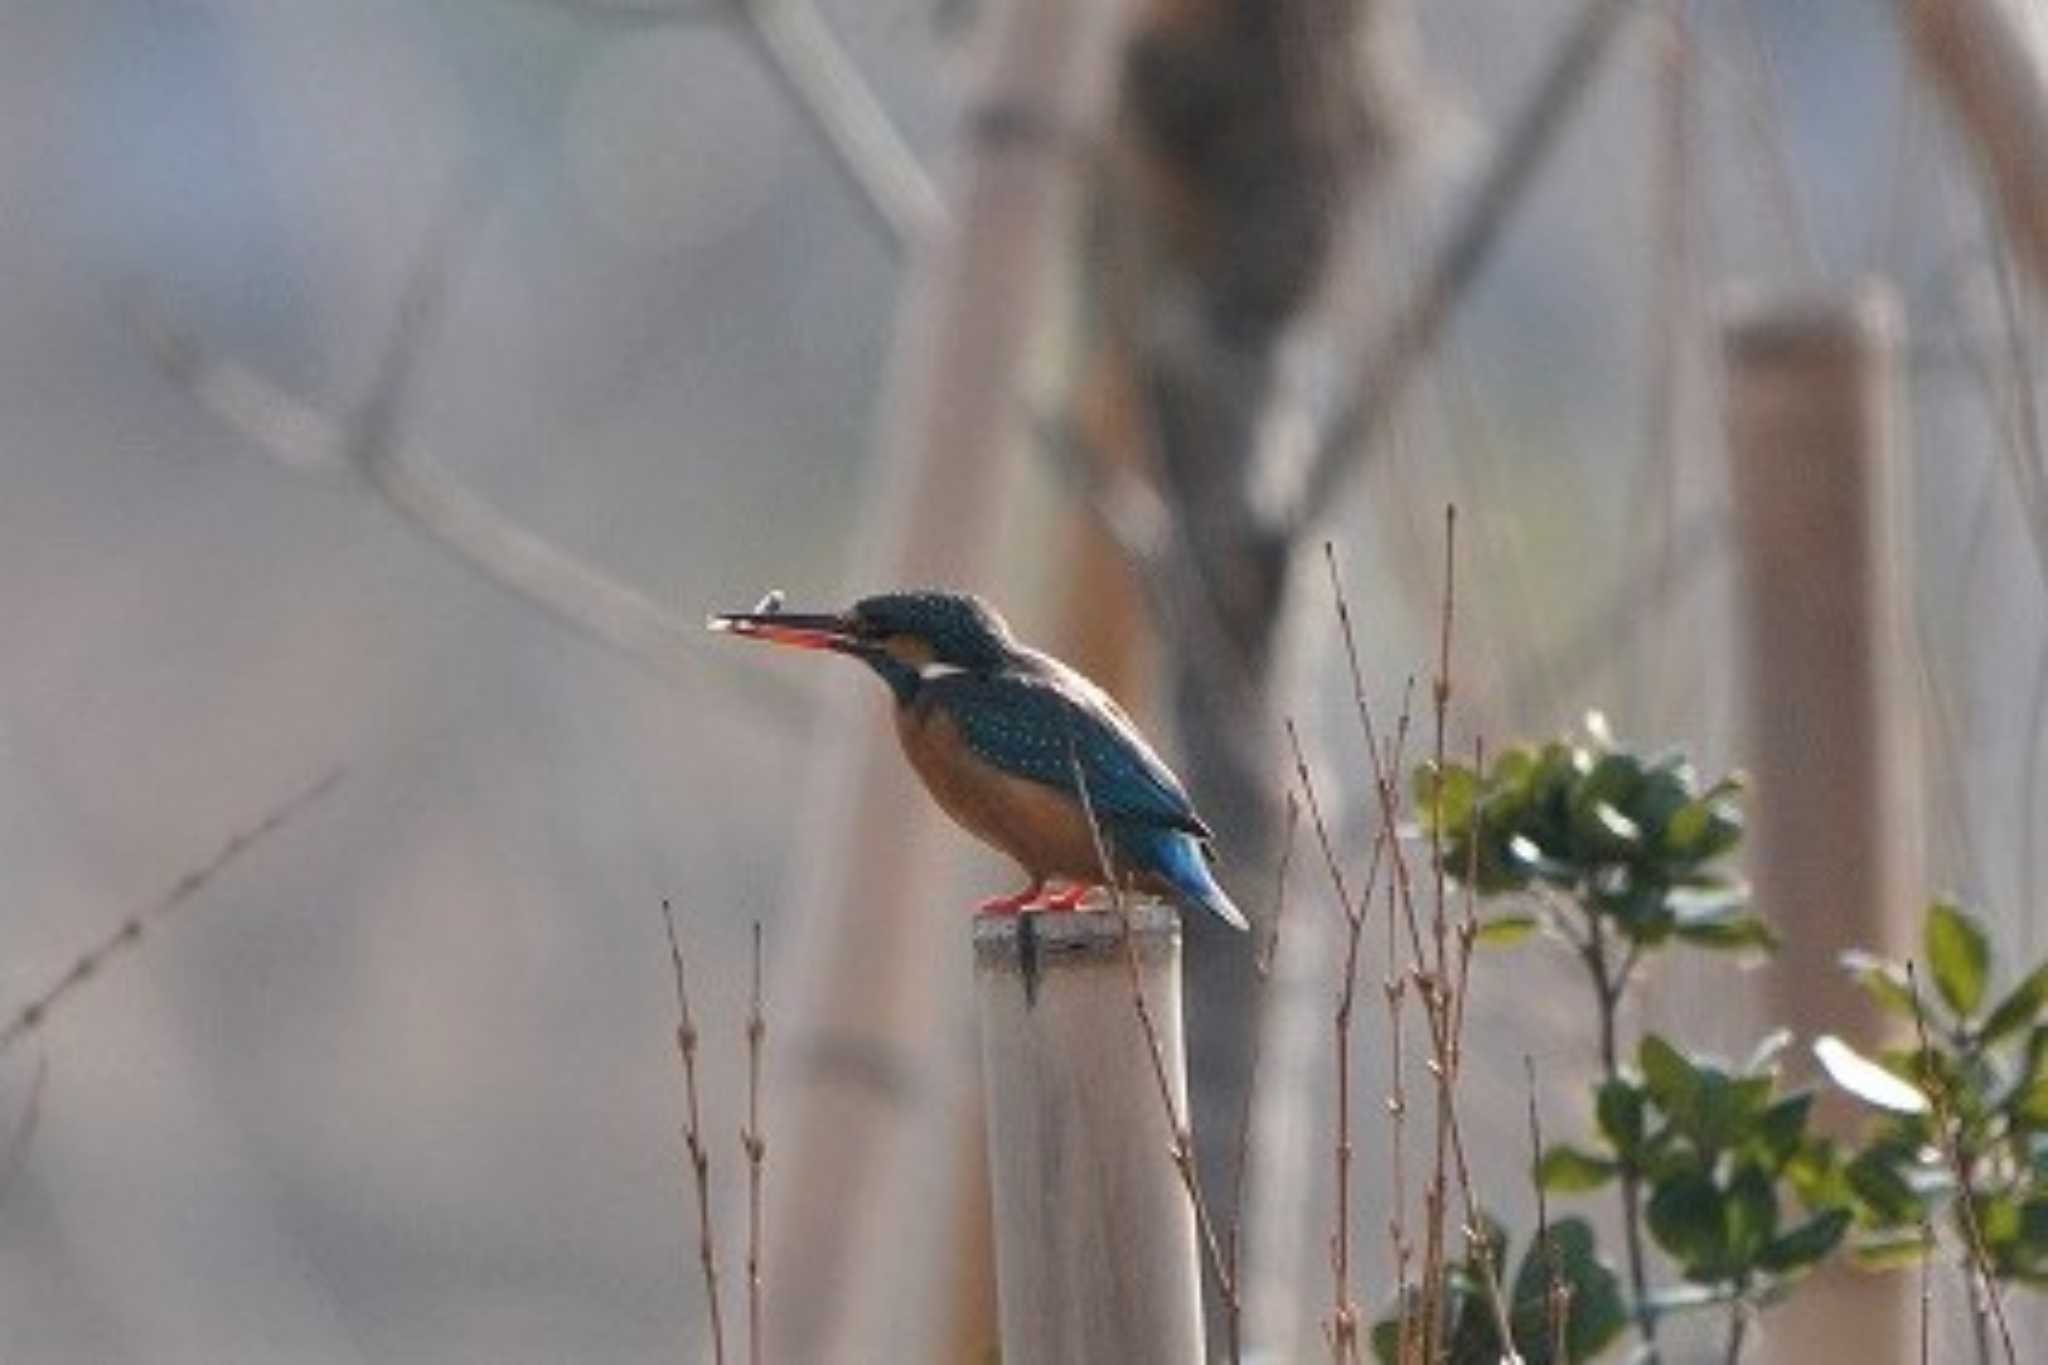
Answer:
(1067, 898)
(1012, 905)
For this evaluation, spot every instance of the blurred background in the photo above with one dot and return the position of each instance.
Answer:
(399, 1083)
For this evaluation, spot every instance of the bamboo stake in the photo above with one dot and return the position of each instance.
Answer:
(1812, 443)
(1096, 1253)
(862, 979)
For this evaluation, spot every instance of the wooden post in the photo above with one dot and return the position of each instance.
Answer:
(1813, 437)
(862, 1045)
(1095, 1235)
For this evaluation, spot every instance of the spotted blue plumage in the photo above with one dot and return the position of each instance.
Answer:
(998, 732)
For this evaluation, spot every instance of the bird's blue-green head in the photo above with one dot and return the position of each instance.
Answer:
(903, 636)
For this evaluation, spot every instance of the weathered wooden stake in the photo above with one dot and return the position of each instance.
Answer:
(1095, 1235)
(1813, 437)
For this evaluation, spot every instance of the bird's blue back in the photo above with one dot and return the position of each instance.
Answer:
(1039, 720)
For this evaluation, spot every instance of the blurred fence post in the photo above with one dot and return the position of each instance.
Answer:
(1095, 1236)
(1813, 441)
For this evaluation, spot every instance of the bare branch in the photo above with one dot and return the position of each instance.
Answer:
(1966, 1193)
(693, 1134)
(128, 933)
(1440, 988)
(1557, 1298)
(871, 155)
(16, 1154)
(1182, 1149)
(756, 1148)
(1990, 58)
(299, 436)
(800, 54)
(1262, 967)
(1533, 134)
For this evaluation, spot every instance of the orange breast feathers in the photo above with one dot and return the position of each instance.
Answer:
(1044, 829)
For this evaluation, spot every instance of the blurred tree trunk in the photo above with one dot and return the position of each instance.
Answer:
(1247, 127)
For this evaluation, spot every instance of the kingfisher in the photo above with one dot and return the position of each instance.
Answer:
(1005, 736)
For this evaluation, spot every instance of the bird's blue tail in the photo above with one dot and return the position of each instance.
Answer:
(1183, 863)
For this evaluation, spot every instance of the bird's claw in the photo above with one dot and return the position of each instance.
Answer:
(1068, 898)
(1027, 899)
(1033, 899)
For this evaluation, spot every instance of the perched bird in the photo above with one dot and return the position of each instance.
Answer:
(999, 731)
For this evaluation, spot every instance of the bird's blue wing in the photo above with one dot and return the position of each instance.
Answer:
(1037, 727)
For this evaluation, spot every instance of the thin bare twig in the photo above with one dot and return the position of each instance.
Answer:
(1395, 985)
(693, 1136)
(1671, 325)
(1436, 984)
(1926, 1292)
(16, 1154)
(798, 51)
(301, 437)
(1262, 968)
(128, 933)
(1738, 1330)
(1343, 1324)
(1761, 110)
(1557, 1297)
(1966, 1200)
(1181, 1142)
(1532, 134)
(756, 1147)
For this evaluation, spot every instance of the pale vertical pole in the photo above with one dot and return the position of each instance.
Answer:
(1096, 1260)
(856, 1088)
(1814, 440)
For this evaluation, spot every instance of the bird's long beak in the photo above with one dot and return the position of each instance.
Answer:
(820, 631)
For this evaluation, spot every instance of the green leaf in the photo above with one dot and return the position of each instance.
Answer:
(1959, 955)
(1885, 1192)
(1779, 1129)
(1386, 1333)
(1672, 1080)
(1566, 1169)
(1702, 829)
(1618, 1106)
(1808, 1244)
(1726, 1107)
(2019, 1008)
(1751, 1210)
(1504, 931)
(2028, 1108)
(1882, 980)
(1688, 1221)
(2033, 1230)
(1815, 1172)
(1673, 1299)
(1595, 1314)
(1764, 1058)
(1865, 1079)
(1453, 791)
(1708, 896)
(1727, 931)
(1886, 1250)
(1665, 790)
